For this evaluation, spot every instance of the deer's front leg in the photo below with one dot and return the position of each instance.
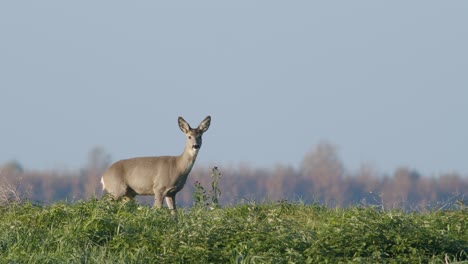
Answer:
(170, 200)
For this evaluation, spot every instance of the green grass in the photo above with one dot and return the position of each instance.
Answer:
(111, 232)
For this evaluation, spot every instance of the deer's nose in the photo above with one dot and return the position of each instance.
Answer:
(196, 146)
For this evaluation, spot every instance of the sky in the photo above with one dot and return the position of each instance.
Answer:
(386, 82)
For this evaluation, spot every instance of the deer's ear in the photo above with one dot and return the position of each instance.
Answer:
(183, 125)
(205, 124)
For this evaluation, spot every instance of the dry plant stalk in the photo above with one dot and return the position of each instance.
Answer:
(9, 193)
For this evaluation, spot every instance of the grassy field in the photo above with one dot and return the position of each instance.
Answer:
(111, 232)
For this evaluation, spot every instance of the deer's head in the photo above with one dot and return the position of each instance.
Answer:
(194, 135)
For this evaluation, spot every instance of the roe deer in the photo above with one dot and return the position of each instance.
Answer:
(159, 176)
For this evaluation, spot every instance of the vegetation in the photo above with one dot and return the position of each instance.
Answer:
(367, 231)
(321, 178)
(101, 231)
(211, 199)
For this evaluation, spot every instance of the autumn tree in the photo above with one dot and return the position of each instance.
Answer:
(324, 168)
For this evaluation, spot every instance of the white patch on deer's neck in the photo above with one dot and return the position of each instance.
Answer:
(195, 151)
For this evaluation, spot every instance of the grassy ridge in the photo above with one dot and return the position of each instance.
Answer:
(110, 232)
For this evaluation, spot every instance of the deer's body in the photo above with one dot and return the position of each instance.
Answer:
(162, 176)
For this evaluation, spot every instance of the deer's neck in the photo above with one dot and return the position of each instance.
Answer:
(186, 160)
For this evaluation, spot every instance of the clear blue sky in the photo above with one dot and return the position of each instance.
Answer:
(385, 81)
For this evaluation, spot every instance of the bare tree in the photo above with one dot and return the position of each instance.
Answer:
(98, 161)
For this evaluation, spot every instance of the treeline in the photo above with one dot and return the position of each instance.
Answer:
(321, 178)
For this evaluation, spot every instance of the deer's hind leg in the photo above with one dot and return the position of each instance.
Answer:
(129, 195)
(113, 184)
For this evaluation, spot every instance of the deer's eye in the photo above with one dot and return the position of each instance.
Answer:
(189, 137)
